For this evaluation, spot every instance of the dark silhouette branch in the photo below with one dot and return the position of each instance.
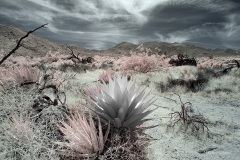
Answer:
(73, 57)
(19, 43)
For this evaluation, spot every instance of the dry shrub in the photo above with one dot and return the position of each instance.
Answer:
(78, 108)
(141, 62)
(20, 134)
(193, 81)
(19, 128)
(190, 122)
(101, 60)
(106, 75)
(110, 74)
(216, 62)
(15, 100)
(129, 145)
(20, 76)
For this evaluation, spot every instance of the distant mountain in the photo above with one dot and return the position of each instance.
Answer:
(122, 48)
(174, 48)
(37, 46)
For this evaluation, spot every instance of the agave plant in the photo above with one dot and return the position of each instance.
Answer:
(20, 76)
(82, 136)
(120, 103)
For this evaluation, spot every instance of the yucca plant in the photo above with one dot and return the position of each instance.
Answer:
(83, 138)
(120, 103)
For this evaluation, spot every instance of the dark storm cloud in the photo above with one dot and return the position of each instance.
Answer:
(181, 23)
(100, 24)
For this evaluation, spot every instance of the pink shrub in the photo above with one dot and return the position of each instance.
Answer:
(106, 75)
(141, 62)
(20, 76)
(99, 60)
(53, 57)
(14, 61)
(60, 62)
(215, 63)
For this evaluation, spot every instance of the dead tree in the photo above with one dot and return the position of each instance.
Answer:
(183, 60)
(19, 43)
(76, 59)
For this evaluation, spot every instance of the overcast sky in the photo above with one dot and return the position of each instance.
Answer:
(101, 24)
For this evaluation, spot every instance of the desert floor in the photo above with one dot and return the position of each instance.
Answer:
(222, 109)
(218, 103)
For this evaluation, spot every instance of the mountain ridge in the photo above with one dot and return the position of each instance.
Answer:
(36, 46)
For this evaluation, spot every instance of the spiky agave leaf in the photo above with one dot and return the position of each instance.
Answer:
(82, 135)
(120, 103)
(21, 75)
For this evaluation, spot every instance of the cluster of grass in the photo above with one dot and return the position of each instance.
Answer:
(186, 79)
(193, 85)
(23, 136)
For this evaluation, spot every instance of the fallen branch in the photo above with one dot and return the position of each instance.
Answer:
(187, 118)
(207, 150)
(19, 43)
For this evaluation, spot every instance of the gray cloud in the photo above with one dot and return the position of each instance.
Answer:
(102, 24)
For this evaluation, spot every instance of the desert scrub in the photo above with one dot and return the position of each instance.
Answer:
(21, 139)
(129, 145)
(75, 68)
(226, 83)
(20, 76)
(15, 100)
(141, 62)
(26, 133)
(188, 121)
(188, 77)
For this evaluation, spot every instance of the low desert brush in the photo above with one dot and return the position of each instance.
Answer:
(141, 63)
(188, 120)
(82, 137)
(20, 76)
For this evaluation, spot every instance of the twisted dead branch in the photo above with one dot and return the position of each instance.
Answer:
(19, 43)
(186, 118)
(76, 59)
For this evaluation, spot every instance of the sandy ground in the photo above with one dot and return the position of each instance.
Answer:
(223, 111)
(224, 133)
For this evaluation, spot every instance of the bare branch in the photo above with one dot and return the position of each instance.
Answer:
(73, 56)
(207, 150)
(19, 43)
(187, 119)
